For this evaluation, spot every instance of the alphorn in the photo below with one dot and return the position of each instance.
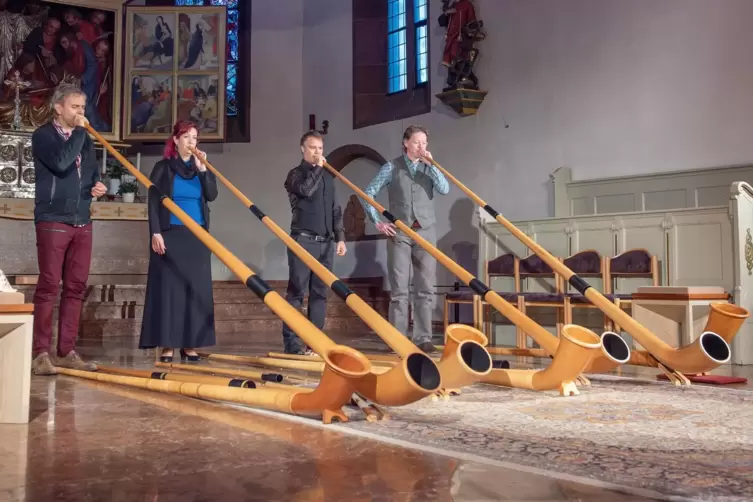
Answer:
(418, 375)
(708, 351)
(291, 401)
(179, 377)
(344, 365)
(267, 380)
(614, 350)
(310, 364)
(237, 373)
(257, 376)
(573, 353)
(369, 409)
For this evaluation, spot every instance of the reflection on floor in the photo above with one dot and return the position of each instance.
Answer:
(98, 442)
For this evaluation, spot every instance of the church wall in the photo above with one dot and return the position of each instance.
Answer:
(606, 87)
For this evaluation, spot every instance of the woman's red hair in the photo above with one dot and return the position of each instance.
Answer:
(180, 128)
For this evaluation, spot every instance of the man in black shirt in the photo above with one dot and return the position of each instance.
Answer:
(316, 225)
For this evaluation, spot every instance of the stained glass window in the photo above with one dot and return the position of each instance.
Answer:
(232, 47)
(421, 11)
(398, 30)
(422, 41)
(397, 60)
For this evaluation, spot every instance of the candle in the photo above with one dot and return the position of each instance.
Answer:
(138, 161)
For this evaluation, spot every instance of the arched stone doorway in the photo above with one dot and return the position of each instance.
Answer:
(344, 155)
(354, 217)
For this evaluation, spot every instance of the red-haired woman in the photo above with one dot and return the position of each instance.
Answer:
(179, 306)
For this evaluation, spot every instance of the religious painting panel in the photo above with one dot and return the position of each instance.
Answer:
(195, 89)
(150, 105)
(46, 42)
(198, 101)
(152, 44)
(199, 41)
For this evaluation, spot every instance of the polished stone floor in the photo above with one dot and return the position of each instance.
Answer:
(90, 441)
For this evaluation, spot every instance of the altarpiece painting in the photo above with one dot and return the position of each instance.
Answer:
(175, 67)
(45, 42)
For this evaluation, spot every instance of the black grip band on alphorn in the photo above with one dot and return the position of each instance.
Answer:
(237, 382)
(271, 377)
(340, 289)
(158, 375)
(479, 287)
(257, 212)
(390, 217)
(258, 286)
(579, 284)
(489, 209)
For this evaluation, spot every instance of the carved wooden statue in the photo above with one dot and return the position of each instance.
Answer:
(460, 52)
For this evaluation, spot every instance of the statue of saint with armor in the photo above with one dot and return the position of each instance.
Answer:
(460, 52)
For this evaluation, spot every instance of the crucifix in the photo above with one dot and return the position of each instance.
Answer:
(16, 83)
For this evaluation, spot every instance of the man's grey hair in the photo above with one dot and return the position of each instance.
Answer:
(63, 90)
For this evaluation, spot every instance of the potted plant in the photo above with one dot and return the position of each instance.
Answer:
(128, 190)
(114, 174)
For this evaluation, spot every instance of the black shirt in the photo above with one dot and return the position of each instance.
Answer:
(311, 191)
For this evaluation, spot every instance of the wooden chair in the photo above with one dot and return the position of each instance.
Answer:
(530, 269)
(588, 264)
(502, 266)
(462, 296)
(505, 265)
(631, 264)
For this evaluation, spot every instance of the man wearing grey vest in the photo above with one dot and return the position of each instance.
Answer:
(316, 225)
(410, 184)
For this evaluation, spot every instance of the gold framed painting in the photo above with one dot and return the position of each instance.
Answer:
(52, 41)
(175, 69)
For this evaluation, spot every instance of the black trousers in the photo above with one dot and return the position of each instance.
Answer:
(301, 278)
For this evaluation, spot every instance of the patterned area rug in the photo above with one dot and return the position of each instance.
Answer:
(691, 442)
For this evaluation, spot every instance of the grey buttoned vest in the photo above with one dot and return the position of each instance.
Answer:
(411, 197)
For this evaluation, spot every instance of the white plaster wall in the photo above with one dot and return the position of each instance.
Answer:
(607, 87)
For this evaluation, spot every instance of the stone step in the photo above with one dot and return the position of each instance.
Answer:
(223, 311)
(105, 328)
(123, 350)
(117, 310)
(223, 292)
